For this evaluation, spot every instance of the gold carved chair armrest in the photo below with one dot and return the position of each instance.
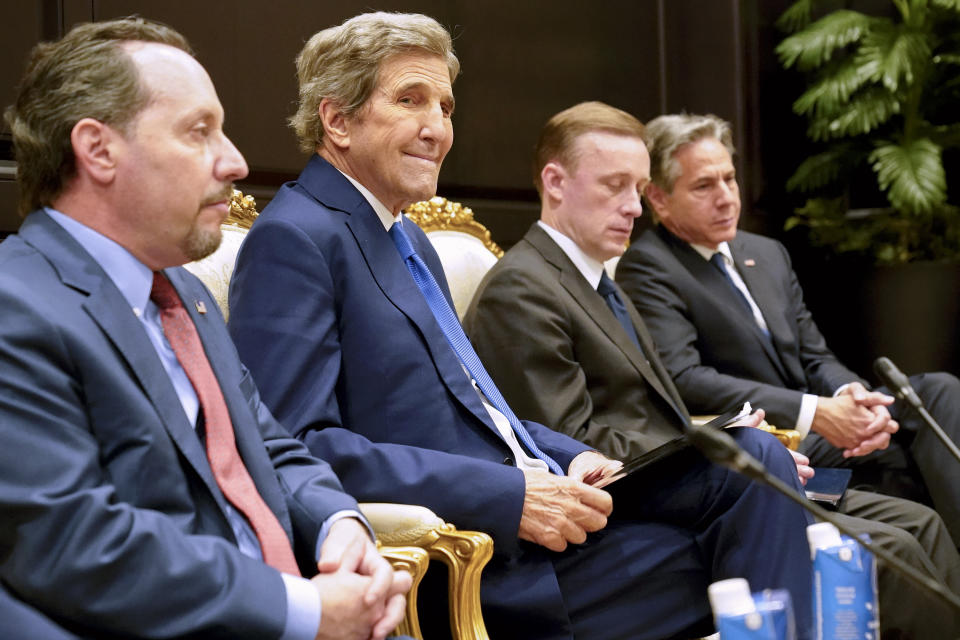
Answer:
(402, 527)
(790, 438)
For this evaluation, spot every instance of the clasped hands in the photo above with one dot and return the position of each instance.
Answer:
(361, 595)
(855, 420)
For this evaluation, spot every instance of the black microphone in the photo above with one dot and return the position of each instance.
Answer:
(900, 385)
(896, 381)
(720, 448)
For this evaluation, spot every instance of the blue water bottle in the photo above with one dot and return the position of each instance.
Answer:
(767, 615)
(844, 586)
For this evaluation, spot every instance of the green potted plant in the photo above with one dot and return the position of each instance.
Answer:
(883, 106)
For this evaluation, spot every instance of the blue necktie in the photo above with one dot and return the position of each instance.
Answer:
(612, 298)
(458, 340)
(717, 261)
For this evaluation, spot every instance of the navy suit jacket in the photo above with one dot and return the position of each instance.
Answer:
(349, 357)
(716, 354)
(111, 518)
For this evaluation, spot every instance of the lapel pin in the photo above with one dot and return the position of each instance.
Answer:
(750, 262)
(201, 308)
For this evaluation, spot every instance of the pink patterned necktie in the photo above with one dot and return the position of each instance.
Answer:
(225, 461)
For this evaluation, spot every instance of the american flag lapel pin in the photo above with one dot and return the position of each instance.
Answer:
(201, 308)
(750, 262)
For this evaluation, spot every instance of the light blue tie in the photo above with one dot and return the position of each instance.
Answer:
(458, 340)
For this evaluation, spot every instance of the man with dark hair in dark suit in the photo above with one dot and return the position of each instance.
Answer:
(728, 316)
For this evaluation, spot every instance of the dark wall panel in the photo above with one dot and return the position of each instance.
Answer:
(521, 62)
(23, 27)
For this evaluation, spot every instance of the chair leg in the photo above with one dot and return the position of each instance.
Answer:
(413, 560)
(465, 553)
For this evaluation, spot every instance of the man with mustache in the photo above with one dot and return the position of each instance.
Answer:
(146, 491)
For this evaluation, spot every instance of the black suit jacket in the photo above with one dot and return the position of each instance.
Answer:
(716, 354)
(560, 356)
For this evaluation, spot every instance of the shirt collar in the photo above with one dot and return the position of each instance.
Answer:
(132, 277)
(387, 219)
(590, 268)
(723, 249)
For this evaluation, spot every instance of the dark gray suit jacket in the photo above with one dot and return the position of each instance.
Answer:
(716, 354)
(560, 356)
(110, 518)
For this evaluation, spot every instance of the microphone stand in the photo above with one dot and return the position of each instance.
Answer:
(901, 387)
(720, 448)
(940, 433)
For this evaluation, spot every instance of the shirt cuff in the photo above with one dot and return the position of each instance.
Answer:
(840, 389)
(303, 609)
(808, 408)
(303, 599)
(340, 515)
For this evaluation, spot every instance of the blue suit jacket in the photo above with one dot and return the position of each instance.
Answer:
(349, 357)
(110, 518)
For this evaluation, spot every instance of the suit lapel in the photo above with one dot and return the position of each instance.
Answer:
(330, 187)
(762, 294)
(108, 308)
(597, 310)
(718, 289)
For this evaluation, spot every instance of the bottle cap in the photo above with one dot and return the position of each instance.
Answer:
(822, 535)
(730, 597)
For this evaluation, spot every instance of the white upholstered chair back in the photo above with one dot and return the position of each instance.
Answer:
(464, 245)
(216, 269)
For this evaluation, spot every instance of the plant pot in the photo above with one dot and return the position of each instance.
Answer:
(909, 313)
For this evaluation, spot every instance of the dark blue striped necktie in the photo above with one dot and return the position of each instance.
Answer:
(607, 289)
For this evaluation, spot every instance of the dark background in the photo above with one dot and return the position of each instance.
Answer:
(521, 62)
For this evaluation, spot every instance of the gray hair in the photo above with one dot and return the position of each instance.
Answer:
(342, 63)
(86, 74)
(666, 134)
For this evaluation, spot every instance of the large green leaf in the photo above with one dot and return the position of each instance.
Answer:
(864, 112)
(891, 52)
(814, 45)
(832, 91)
(822, 169)
(796, 17)
(911, 173)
